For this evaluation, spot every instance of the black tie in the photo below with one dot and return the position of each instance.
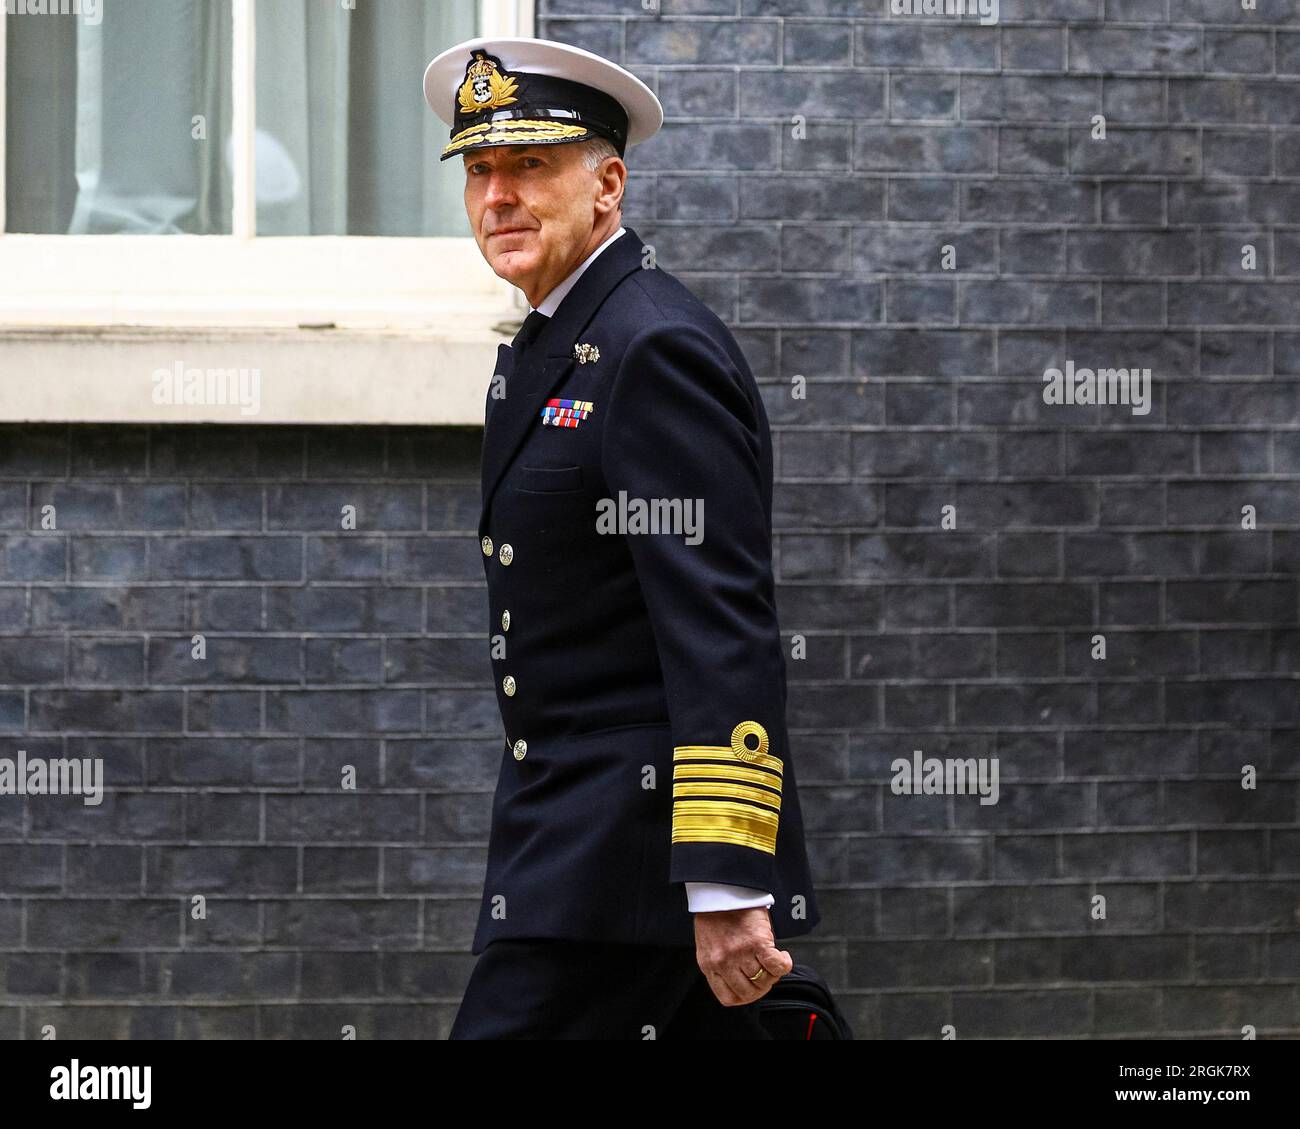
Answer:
(532, 326)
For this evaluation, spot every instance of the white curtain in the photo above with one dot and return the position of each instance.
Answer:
(133, 129)
(342, 108)
(144, 74)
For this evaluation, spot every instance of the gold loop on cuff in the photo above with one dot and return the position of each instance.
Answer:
(738, 746)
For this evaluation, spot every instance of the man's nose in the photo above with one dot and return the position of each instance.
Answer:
(500, 190)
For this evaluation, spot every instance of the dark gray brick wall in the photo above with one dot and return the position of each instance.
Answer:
(921, 388)
(330, 655)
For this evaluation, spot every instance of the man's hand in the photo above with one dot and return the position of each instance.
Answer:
(731, 946)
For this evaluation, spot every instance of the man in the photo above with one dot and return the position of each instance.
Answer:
(646, 844)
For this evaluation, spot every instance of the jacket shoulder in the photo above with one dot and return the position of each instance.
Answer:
(652, 298)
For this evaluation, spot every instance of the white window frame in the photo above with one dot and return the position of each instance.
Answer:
(438, 285)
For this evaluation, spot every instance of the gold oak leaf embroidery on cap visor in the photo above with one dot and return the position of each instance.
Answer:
(728, 793)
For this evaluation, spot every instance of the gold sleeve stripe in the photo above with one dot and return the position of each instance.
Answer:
(714, 807)
(722, 835)
(728, 793)
(724, 753)
(700, 770)
(719, 821)
(736, 791)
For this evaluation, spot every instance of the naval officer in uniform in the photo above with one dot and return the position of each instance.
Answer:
(646, 847)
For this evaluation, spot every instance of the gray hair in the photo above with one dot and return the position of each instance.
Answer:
(596, 150)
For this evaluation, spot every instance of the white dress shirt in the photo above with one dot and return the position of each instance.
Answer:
(701, 897)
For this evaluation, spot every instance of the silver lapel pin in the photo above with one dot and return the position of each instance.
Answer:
(584, 353)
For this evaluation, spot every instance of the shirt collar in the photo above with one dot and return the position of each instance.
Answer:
(552, 301)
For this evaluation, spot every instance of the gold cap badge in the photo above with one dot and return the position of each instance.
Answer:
(485, 87)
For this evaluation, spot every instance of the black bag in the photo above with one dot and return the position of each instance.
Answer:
(800, 1006)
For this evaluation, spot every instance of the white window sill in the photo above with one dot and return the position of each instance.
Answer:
(87, 322)
(435, 374)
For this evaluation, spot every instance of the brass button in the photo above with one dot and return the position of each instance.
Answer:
(521, 748)
(508, 685)
(487, 546)
(506, 553)
(505, 620)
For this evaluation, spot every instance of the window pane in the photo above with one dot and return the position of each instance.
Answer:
(345, 142)
(118, 119)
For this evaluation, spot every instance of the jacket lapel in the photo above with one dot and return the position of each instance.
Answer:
(546, 362)
(500, 379)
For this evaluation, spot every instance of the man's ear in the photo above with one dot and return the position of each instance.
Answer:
(615, 163)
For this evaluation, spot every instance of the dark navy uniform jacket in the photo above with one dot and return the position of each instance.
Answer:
(641, 678)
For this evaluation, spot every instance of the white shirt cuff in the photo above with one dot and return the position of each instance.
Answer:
(706, 897)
